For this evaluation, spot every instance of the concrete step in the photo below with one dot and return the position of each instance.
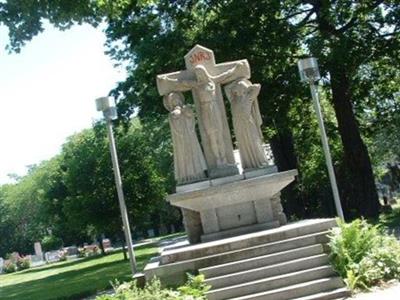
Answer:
(271, 283)
(268, 271)
(340, 293)
(291, 292)
(175, 273)
(261, 261)
(288, 231)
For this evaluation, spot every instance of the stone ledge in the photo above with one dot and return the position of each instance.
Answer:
(233, 192)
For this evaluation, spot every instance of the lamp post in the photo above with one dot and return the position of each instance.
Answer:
(309, 73)
(105, 105)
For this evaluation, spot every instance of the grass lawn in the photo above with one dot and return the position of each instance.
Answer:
(71, 279)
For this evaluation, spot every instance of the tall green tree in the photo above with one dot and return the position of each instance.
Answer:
(347, 35)
(152, 37)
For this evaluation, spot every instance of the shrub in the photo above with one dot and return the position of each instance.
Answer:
(13, 257)
(194, 289)
(363, 254)
(51, 242)
(23, 263)
(9, 267)
(81, 253)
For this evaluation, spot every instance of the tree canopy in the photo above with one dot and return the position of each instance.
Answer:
(356, 42)
(72, 196)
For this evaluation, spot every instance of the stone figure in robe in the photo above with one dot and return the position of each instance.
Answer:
(246, 116)
(204, 86)
(189, 162)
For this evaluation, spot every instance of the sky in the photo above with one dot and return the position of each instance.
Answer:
(47, 93)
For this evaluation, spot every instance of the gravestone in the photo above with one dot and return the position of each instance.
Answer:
(37, 261)
(52, 256)
(38, 250)
(106, 243)
(1, 264)
(151, 233)
(216, 199)
(71, 250)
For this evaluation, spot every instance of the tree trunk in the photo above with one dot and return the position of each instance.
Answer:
(361, 195)
(124, 249)
(282, 146)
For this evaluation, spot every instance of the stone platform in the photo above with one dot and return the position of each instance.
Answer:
(232, 205)
(280, 262)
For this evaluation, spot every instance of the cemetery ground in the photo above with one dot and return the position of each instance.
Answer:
(74, 279)
(77, 279)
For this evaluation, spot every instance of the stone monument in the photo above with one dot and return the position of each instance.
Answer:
(233, 213)
(216, 200)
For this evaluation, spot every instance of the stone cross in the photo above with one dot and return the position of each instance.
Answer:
(204, 78)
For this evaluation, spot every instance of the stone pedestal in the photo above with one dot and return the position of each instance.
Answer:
(233, 208)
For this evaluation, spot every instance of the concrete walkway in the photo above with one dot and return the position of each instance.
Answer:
(391, 292)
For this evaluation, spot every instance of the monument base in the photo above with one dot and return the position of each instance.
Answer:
(260, 172)
(238, 231)
(234, 207)
(227, 170)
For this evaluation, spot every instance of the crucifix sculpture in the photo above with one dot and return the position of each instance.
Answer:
(204, 78)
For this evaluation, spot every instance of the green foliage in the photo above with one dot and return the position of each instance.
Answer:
(73, 195)
(391, 219)
(194, 289)
(356, 42)
(364, 255)
(51, 242)
(23, 263)
(9, 267)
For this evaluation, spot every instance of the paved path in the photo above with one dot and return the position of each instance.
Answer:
(389, 293)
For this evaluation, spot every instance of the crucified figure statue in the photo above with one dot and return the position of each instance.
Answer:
(204, 86)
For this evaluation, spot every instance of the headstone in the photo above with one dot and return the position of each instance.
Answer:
(38, 249)
(150, 233)
(91, 249)
(220, 202)
(72, 250)
(52, 256)
(1, 264)
(106, 243)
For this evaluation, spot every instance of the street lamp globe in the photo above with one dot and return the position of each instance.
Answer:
(308, 69)
(107, 106)
(103, 103)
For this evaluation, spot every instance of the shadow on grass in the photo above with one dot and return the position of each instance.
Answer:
(391, 219)
(74, 284)
(61, 264)
(75, 261)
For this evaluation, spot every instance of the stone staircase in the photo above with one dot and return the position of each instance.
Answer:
(285, 263)
(293, 268)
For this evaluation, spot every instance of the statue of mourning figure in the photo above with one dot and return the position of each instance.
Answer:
(247, 121)
(189, 162)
